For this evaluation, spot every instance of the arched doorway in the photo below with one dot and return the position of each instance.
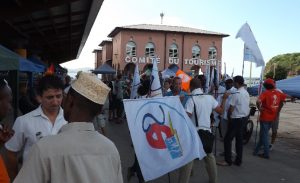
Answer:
(129, 69)
(109, 62)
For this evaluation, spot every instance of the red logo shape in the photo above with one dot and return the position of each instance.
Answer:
(158, 130)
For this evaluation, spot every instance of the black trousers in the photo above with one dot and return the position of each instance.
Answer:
(235, 129)
(136, 168)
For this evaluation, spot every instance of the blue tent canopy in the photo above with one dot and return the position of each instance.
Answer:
(290, 86)
(104, 69)
(10, 60)
(36, 60)
(26, 65)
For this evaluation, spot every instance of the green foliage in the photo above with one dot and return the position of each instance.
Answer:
(284, 65)
(280, 73)
(297, 70)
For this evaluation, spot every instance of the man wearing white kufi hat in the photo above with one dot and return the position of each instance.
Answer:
(78, 153)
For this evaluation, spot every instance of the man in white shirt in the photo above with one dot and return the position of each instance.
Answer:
(203, 106)
(224, 119)
(46, 120)
(237, 117)
(78, 153)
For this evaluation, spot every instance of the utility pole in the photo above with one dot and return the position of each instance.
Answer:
(274, 71)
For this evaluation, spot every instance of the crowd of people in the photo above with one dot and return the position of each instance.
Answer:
(58, 140)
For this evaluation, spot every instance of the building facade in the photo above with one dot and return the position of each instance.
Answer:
(98, 57)
(190, 49)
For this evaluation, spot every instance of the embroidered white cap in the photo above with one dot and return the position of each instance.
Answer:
(227, 77)
(91, 87)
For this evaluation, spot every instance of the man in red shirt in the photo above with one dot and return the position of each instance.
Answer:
(268, 104)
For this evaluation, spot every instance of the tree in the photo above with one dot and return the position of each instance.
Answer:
(283, 64)
(280, 73)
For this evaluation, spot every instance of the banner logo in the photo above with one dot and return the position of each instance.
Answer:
(161, 136)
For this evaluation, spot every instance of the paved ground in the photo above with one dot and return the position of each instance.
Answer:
(284, 165)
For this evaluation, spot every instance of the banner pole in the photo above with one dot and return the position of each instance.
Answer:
(250, 74)
(243, 68)
(257, 120)
(243, 62)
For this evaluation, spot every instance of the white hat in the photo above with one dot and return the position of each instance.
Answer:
(92, 88)
(227, 77)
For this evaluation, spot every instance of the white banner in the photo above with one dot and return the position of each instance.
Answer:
(252, 52)
(163, 135)
(156, 90)
(136, 83)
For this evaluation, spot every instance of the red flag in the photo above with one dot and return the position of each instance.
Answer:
(50, 70)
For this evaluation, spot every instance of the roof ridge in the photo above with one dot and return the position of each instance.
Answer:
(168, 28)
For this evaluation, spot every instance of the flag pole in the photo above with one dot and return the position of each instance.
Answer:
(259, 92)
(243, 63)
(250, 74)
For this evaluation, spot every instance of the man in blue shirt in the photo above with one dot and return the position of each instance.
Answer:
(176, 90)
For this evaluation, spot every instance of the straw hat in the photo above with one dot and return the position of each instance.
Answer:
(92, 88)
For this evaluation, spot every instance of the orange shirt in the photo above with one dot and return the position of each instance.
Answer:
(4, 178)
(270, 102)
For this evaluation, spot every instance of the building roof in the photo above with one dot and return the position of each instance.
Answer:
(55, 30)
(165, 28)
(97, 50)
(105, 42)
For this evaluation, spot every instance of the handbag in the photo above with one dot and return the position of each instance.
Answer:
(206, 136)
(207, 139)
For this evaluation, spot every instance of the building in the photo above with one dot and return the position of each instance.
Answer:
(189, 48)
(107, 50)
(98, 57)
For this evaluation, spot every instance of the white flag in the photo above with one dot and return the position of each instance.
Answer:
(207, 75)
(252, 52)
(163, 135)
(155, 81)
(136, 83)
(248, 56)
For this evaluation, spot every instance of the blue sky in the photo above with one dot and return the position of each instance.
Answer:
(275, 24)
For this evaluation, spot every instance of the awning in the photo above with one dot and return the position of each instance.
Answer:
(10, 60)
(55, 30)
(289, 86)
(104, 69)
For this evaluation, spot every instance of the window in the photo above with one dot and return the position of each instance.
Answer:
(173, 51)
(196, 51)
(131, 49)
(149, 50)
(212, 53)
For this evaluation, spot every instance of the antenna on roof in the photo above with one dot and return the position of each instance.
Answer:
(161, 17)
